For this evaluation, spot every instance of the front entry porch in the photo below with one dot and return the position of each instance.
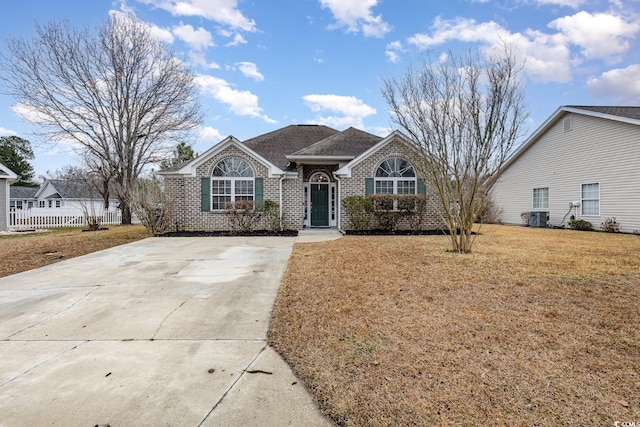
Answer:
(320, 201)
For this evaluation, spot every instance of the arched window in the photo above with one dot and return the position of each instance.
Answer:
(232, 180)
(395, 176)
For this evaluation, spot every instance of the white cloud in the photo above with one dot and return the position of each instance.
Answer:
(197, 39)
(393, 51)
(249, 69)
(621, 84)
(242, 103)
(209, 134)
(548, 55)
(350, 110)
(357, 16)
(7, 132)
(162, 34)
(574, 4)
(599, 35)
(238, 39)
(463, 29)
(224, 12)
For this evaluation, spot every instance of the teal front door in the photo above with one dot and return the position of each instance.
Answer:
(319, 205)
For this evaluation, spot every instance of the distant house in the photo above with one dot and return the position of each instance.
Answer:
(7, 176)
(582, 161)
(307, 169)
(58, 193)
(23, 197)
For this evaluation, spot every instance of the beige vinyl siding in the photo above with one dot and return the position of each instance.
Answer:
(596, 150)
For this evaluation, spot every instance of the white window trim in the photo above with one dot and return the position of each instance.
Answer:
(234, 180)
(395, 180)
(582, 200)
(233, 193)
(533, 201)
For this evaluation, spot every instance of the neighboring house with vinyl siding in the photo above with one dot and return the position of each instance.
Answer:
(582, 161)
(61, 193)
(7, 176)
(307, 169)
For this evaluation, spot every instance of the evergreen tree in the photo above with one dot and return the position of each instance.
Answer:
(15, 154)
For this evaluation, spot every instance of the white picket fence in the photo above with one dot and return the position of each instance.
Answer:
(59, 217)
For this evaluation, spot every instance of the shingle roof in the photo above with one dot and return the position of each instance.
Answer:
(275, 146)
(350, 142)
(628, 112)
(73, 189)
(22, 193)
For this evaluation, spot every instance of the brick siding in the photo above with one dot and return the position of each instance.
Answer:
(186, 190)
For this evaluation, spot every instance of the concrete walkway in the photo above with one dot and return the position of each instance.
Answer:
(164, 331)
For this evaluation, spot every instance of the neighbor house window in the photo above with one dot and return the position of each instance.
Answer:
(591, 199)
(232, 180)
(395, 176)
(541, 198)
(41, 204)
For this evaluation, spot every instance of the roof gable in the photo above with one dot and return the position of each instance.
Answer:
(6, 173)
(629, 115)
(67, 189)
(350, 142)
(275, 146)
(394, 136)
(189, 168)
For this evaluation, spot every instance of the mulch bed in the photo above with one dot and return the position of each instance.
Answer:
(255, 233)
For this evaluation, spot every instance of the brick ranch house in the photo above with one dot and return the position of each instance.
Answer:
(307, 169)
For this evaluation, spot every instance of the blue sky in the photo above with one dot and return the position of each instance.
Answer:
(263, 65)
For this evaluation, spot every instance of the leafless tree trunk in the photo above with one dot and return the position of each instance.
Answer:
(463, 115)
(115, 91)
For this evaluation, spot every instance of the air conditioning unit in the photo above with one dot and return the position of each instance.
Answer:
(539, 219)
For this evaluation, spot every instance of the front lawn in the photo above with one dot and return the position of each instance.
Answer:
(24, 251)
(536, 327)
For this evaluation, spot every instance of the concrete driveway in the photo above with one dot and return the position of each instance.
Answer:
(160, 332)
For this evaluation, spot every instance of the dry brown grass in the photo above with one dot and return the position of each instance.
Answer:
(21, 252)
(536, 327)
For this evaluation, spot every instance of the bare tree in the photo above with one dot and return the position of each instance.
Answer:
(155, 208)
(463, 114)
(115, 91)
(87, 185)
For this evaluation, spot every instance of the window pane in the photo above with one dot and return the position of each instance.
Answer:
(233, 167)
(591, 199)
(590, 191)
(406, 187)
(384, 187)
(541, 198)
(220, 202)
(244, 187)
(220, 186)
(590, 207)
(395, 167)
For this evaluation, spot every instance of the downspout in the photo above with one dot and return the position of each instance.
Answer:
(338, 203)
(280, 196)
